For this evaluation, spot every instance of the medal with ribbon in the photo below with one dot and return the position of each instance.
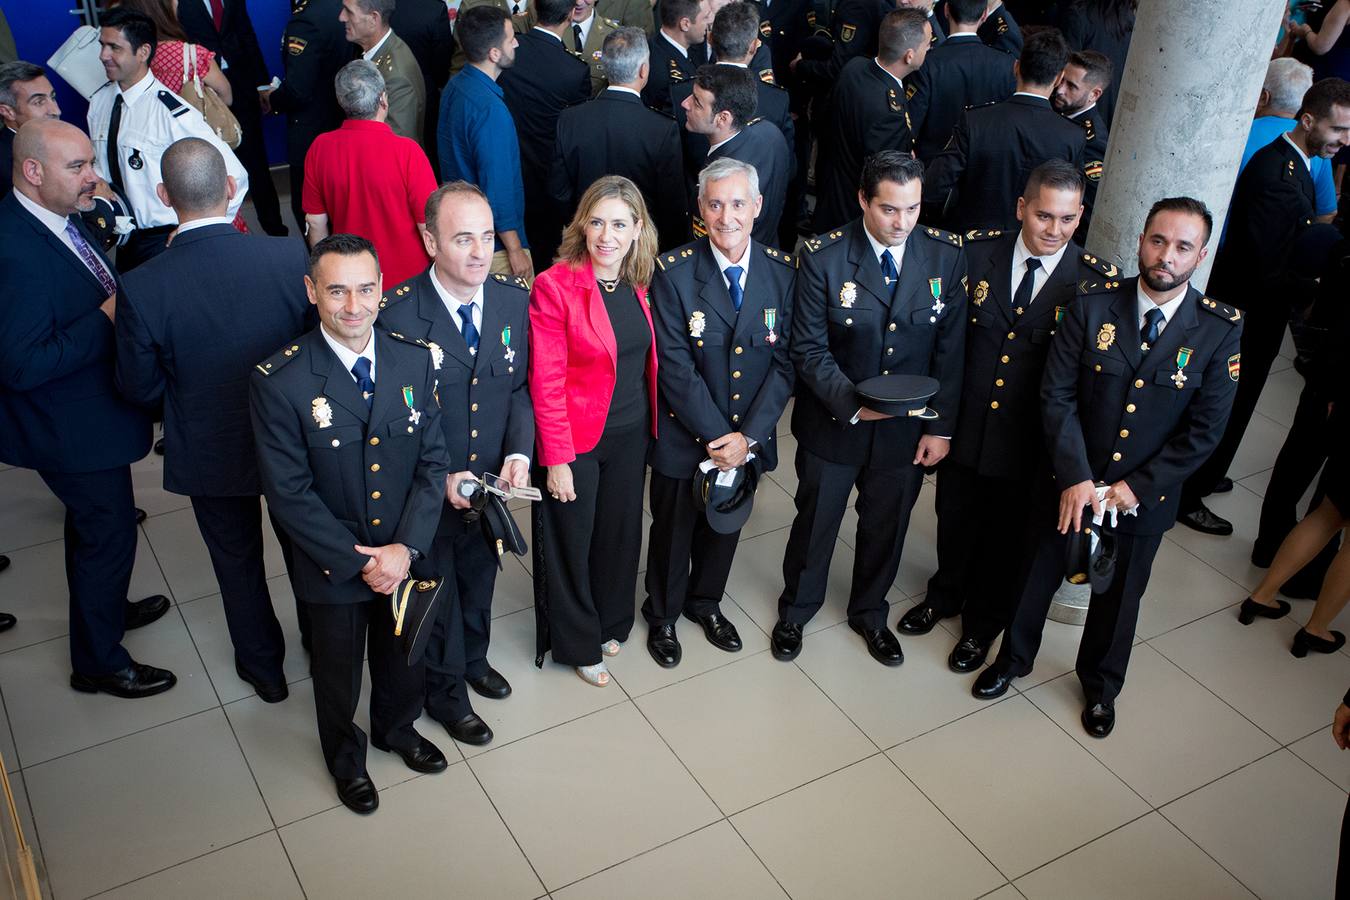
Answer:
(414, 415)
(1183, 357)
(770, 320)
(935, 288)
(506, 342)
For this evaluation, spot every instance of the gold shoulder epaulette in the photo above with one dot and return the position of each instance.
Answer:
(672, 258)
(777, 255)
(278, 359)
(1100, 266)
(983, 234)
(823, 240)
(1222, 310)
(511, 280)
(944, 237)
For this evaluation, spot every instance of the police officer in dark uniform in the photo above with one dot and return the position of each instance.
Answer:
(353, 464)
(882, 295)
(313, 49)
(481, 364)
(677, 49)
(976, 180)
(784, 27)
(1087, 74)
(866, 114)
(722, 309)
(958, 73)
(1022, 284)
(1000, 31)
(546, 78)
(855, 25)
(1139, 382)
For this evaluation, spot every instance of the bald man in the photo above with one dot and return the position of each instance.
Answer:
(189, 341)
(59, 411)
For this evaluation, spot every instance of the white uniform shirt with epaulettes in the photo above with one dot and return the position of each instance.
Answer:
(153, 117)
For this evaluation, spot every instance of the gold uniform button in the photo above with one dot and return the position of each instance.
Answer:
(374, 467)
(1097, 367)
(472, 457)
(374, 495)
(410, 429)
(473, 407)
(1139, 382)
(735, 418)
(336, 442)
(892, 328)
(700, 343)
(374, 442)
(890, 350)
(326, 572)
(374, 521)
(1162, 498)
(998, 382)
(473, 433)
(1116, 457)
(994, 405)
(1012, 335)
(475, 381)
(1003, 359)
(740, 350)
(848, 321)
(736, 374)
(735, 396)
(885, 371)
(1124, 432)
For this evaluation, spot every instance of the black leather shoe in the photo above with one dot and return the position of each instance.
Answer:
(469, 730)
(1099, 719)
(718, 630)
(143, 612)
(492, 685)
(1303, 642)
(1222, 486)
(883, 645)
(968, 654)
(135, 681)
(358, 794)
(919, 620)
(140, 515)
(7, 621)
(786, 641)
(4, 563)
(1251, 609)
(992, 683)
(159, 447)
(664, 646)
(1205, 522)
(268, 691)
(426, 757)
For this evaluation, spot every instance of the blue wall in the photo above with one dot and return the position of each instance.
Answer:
(40, 26)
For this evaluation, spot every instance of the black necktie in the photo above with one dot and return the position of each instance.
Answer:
(114, 158)
(1153, 322)
(1022, 296)
(361, 369)
(889, 271)
(576, 37)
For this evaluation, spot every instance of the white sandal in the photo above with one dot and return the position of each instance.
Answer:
(610, 647)
(596, 675)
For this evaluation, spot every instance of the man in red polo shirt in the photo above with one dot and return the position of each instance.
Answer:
(364, 179)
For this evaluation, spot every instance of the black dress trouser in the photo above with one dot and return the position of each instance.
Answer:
(591, 546)
(459, 639)
(688, 563)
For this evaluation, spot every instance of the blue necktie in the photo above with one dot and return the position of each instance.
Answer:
(733, 274)
(891, 273)
(1153, 320)
(361, 369)
(467, 327)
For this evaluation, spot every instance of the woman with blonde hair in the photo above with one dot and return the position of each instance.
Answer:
(593, 383)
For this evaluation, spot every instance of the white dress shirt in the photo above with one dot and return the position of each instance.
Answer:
(684, 51)
(1299, 150)
(1144, 303)
(347, 357)
(370, 54)
(586, 26)
(1022, 253)
(56, 223)
(202, 223)
(897, 252)
(723, 263)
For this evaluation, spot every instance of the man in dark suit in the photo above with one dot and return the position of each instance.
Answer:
(224, 28)
(59, 411)
(961, 72)
(478, 329)
(1022, 284)
(189, 344)
(314, 49)
(999, 29)
(676, 50)
(720, 108)
(353, 465)
(1137, 387)
(424, 25)
(883, 295)
(866, 114)
(1086, 75)
(976, 180)
(1274, 203)
(614, 134)
(546, 78)
(722, 310)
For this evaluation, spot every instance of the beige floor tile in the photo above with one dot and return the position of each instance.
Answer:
(50, 719)
(1320, 751)
(206, 620)
(7, 749)
(1280, 396)
(1007, 892)
(36, 592)
(638, 672)
(182, 554)
(711, 862)
(1275, 825)
(864, 832)
(890, 706)
(987, 770)
(30, 832)
(1260, 444)
(540, 698)
(515, 587)
(773, 510)
(1229, 555)
(254, 868)
(281, 741)
(173, 793)
(1146, 858)
(755, 729)
(434, 836)
(147, 482)
(1181, 589)
(1172, 735)
(1252, 670)
(579, 798)
(32, 514)
(1258, 482)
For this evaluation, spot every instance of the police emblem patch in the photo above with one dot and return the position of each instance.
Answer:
(321, 411)
(981, 293)
(1106, 336)
(848, 295)
(1234, 366)
(847, 32)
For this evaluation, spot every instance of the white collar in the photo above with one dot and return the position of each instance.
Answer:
(139, 89)
(1084, 111)
(586, 24)
(626, 90)
(1021, 253)
(347, 357)
(960, 34)
(551, 34)
(53, 221)
(370, 54)
(451, 302)
(684, 51)
(1031, 94)
(712, 149)
(736, 64)
(1299, 150)
(897, 252)
(1144, 302)
(723, 262)
(888, 72)
(202, 223)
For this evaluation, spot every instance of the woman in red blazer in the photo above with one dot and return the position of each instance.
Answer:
(593, 383)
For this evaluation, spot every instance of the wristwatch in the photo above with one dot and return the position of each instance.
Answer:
(413, 554)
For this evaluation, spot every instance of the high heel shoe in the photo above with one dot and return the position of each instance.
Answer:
(1251, 609)
(1303, 642)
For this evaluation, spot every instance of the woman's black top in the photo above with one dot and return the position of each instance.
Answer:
(629, 405)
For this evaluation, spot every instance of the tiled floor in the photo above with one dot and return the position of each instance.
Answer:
(731, 776)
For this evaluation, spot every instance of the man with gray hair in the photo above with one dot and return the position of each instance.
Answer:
(364, 179)
(722, 309)
(616, 134)
(192, 351)
(367, 25)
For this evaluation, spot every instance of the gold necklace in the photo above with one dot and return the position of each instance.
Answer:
(609, 286)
